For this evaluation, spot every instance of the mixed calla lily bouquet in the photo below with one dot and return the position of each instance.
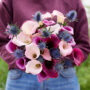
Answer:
(44, 43)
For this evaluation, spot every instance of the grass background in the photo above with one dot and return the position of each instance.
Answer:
(83, 72)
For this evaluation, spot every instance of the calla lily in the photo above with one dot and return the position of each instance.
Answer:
(34, 67)
(52, 42)
(46, 15)
(65, 48)
(42, 76)
(54, 28)
(18, 42)
(21, 63)
(77, 55)
(68, 28)
(48, 67)
(29, 27)
(72, 42)
(32, 51)
(11, 47)
(46, 55)
(24, 38)
(60, 16)
(48, 23)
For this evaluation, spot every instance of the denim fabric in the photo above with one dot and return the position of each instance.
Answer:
(19, 80)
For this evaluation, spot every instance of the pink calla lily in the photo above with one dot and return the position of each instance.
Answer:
(46, 55)
(77, 55)
(29, 27)
(34, 67)
(32, 51)
(65, 48)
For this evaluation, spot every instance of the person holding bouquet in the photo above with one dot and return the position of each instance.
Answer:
(54, 18)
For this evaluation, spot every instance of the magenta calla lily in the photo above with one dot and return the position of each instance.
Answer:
(21, 63)
(42, 76)
(77, 56)
(68, 28)
(48, 67)
(11, 47)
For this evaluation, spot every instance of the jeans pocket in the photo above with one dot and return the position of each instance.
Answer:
(14, 74)
(69, 72)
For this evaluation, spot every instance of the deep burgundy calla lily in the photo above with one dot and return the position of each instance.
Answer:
(21, 63)
(77, 55)
(42, 76)
(52, 42)
(11, 47)
(49, 68)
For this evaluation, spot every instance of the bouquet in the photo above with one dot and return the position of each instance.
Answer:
(44, 43)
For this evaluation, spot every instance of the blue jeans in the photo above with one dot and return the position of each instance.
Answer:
(19, 80)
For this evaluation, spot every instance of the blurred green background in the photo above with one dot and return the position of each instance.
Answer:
(83, 72)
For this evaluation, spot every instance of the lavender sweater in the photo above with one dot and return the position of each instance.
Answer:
(17, 11)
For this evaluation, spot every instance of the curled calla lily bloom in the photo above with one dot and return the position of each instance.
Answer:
(48, 23)
(21, 63)
(42, 76)
(34, 67)
(24, 38)
(60, 16)
(54, 28)
(46, 55)
(32, 51)
(11, 47)
(77, 55)
(29, 27)
(65, 48)
(46, 15)
(68, 28)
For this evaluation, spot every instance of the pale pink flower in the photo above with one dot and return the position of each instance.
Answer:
(24, 38)
(32, 51)
(65, 48)
(18, 42)
(29, 27)
(46, 15)
(34, 67)
(60, 16)
(54, 28)
(46, 55)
